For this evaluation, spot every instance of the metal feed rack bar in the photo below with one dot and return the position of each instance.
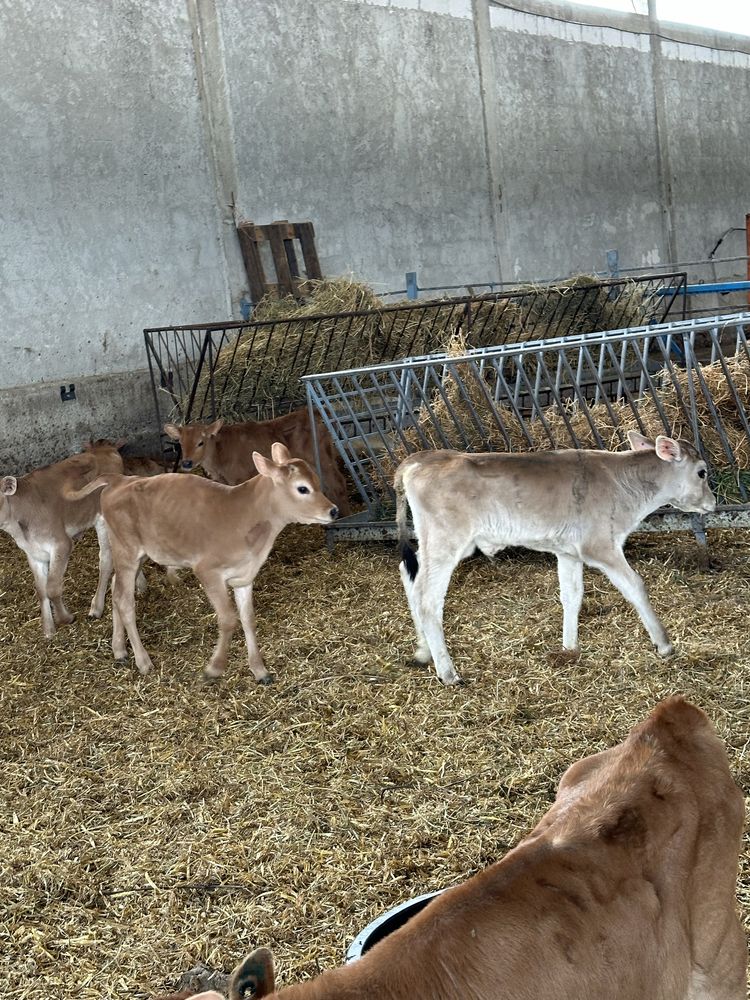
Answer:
(242, 370)
(580, 391)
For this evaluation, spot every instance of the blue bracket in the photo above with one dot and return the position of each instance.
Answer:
(412, 288)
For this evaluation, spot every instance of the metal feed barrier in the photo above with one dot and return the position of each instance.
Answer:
(581, 391)
(252, 370)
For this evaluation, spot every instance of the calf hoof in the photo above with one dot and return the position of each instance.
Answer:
(265, 681)
(452, 680)
(145, 668)
(211, 672)
(96, 613)
(666, 650)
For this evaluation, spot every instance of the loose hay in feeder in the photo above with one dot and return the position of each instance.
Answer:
(153, 824)
(342, 324)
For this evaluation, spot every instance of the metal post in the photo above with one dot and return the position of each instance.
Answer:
(412, 288)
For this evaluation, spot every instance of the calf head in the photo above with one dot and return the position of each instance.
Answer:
(297, 495)
(686, 474)
(195, 440)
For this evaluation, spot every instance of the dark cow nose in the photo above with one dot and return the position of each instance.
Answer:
(187, 464)
(334, 512)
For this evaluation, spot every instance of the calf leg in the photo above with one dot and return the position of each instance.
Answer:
(216, 591)
(243, 598)
(39, 572)
(570, 575)
(631, 586)
(119, 646)
(422, 652)
(123, 603)
(105, 568)
(57, 565)
(430, 588)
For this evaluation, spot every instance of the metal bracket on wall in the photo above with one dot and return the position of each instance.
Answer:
(69, 393)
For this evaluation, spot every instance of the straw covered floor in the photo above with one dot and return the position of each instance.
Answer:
(150, 824)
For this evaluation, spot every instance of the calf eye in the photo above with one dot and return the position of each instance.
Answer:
(200, 444)
(702, 474)
(303, 489)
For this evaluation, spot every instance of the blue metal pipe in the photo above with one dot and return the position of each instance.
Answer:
(719, 286)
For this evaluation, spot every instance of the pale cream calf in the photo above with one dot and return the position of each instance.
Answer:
(223, 533)
(624, 891)
(224, 451)
(579, 505)
(37, 512)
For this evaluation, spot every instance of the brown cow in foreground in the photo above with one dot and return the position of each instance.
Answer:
(624, 891)
(579, 505)
(223, 533)
(225, 451)
(36, 511)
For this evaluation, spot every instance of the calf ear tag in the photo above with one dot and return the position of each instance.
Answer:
(668, 449)
(9, 486)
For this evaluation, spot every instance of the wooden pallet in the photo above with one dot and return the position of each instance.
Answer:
(283, 238)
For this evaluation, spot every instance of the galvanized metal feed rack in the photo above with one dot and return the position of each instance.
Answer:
(581, 391)
(252, 370)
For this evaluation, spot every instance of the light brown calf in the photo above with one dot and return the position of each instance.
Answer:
(133, 465)
(579, 505)
(35, 510)
(624, 891)
(224, 451)
(223, 533)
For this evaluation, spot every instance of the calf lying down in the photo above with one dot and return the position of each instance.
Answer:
(579, 505)
(625, 889)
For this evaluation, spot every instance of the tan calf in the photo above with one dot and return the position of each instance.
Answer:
(624, 891)
(579, 505)
(133, 465)
(36, 512)
(224, 451)
(223, 533)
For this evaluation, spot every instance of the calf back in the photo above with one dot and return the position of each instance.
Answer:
(626, 887)
(41, 500)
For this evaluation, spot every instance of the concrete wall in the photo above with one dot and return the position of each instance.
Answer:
(466, 141)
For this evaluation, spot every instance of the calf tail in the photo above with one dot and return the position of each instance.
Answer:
(95, 484)
(407, 552)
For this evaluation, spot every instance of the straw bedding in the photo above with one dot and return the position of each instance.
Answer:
(149, 824)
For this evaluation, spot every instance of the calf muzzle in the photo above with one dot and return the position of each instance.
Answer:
(187, 464)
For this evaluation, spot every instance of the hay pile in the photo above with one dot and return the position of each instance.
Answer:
(259, 367)
(149, 824)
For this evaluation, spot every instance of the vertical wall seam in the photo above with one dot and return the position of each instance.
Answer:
(211, 75)
(492, 152)
(663, 161)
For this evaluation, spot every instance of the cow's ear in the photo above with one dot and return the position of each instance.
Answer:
(268, 468)
(172, 431)
(254, 977)
(8, 486)
(639, 442)
(280, 453)
(668, 449)
(88, 446)
(214, 428)
(120, 443)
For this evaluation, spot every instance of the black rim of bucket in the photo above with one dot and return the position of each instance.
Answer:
(355, 949)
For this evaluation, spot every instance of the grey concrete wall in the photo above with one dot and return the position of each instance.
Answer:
(462, 140)
(365, 119)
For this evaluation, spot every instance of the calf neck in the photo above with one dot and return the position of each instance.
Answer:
(579, 505)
